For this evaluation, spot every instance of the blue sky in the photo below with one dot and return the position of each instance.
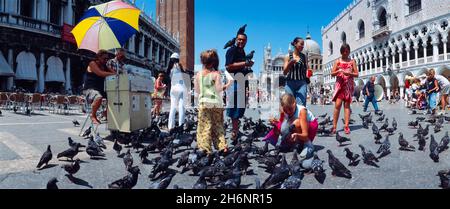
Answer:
(269, 21)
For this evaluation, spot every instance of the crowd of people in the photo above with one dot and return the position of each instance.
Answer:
(425, 92)
(295, 128)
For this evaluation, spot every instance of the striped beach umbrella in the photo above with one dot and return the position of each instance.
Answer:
(106, 26)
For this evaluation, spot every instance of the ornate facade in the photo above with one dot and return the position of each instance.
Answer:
(39, 56)
(390, 39)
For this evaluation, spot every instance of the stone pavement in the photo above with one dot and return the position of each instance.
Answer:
(23, 139)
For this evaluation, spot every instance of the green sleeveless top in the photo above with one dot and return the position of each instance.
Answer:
(208, 93)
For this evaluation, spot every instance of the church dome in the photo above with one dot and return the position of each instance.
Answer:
(311, 46)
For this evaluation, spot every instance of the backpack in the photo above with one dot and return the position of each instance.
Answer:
(364, 89)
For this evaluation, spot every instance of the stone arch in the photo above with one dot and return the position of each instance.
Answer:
(330, 47)
(382, 17)
(381, 81)
(394, 82)
(420, 72)
(361, 28)
(359, 83)
(402, 77)
(343, 37)
(444, 70)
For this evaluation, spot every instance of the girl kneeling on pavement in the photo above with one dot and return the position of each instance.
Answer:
(208, 86)
(297, 126)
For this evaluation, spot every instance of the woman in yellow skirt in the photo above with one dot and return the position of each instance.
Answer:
(209, 88)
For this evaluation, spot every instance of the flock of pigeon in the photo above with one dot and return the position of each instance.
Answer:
(225, 170)
(369, 158)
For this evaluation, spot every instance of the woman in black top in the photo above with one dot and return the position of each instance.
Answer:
(295, 67)
(95, 79)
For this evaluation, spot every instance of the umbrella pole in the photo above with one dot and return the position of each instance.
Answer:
(117, 86)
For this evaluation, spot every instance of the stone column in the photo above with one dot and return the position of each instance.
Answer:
(34, 12)
(444, 41)
(386, 56)
(142, 46)
(150, 49)
(41, 81)
(408, 50)
(402, 88)
(416, 52)
(367, 67)
(400, 53)
(69, 12)
(388, 91)
(424, 45)
(164, 57)
(68, 83)
(393, 59)
(11, 6)
(43, 10)
(62, 16)
(157, 54)
(10, 82)
(131, 44)
(435, 43)
(376, 63)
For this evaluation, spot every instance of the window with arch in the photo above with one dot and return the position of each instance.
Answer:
(429, 47)
(344, 37)
(414, 5)
(330, 47)
(448, 44)
(382, 17)
(26, 8)
(372, 64)
(361, 29)
(404, 53)
(441, 44)
(420, 50)
(55, 12)
(137, 41)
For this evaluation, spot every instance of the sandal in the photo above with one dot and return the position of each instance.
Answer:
(333, 131)
(95, 121)
(347, 130)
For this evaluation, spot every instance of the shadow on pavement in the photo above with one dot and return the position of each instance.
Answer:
(78, 181)
(47, 166)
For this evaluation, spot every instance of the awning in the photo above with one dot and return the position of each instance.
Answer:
(55, 70)
(26, 66)
(5, 68)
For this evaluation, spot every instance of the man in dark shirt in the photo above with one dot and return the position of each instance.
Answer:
(369, 92)
(236, 63)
